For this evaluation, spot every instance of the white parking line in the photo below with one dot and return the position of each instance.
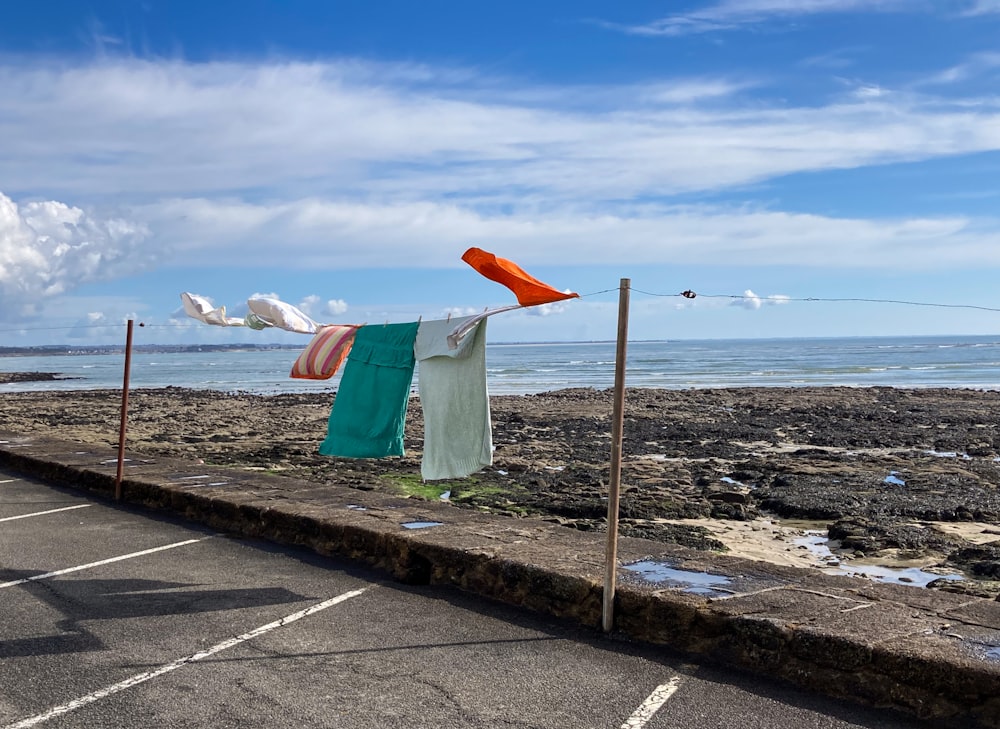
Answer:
(141, 677)
(641, 716)
(50, 511)
(98, 564)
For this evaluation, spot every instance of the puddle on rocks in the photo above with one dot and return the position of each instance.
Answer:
(894, 479)
(421, 524)
(734, 482)
(817, 543)
(699, 583)
(989, 652)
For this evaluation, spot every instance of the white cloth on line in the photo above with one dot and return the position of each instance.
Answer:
(466, 324)
(276, 313)
(200, 308)
(458, 437)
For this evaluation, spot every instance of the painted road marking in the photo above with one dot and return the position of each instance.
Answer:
(142, 677)
(102, 562)
(10, 480)
(641, 716)
(50, 511)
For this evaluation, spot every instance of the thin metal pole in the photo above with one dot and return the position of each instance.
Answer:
(614, 483)
(121, 431)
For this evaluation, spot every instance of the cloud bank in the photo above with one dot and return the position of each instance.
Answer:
(347, 164)
(338, 235)
(144, 130)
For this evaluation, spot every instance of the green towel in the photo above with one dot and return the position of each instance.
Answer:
(369, 411)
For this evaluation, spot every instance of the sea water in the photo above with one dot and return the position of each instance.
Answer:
(918, 362)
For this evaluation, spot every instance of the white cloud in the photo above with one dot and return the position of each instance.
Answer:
(335, 307)
(557, 307)
(750, 300)
(309, 305)
(982, 7)
(731, 14)
(47, 248)
(690, 91)
(279, 132)
(325, 235)
(976, 65)
(869, 91)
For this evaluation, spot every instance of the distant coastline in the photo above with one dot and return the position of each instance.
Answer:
(72, 349)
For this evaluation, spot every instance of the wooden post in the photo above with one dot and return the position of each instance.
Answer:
(121, 430)
(614, 482)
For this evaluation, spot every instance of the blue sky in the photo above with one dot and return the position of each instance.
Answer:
(766, 154)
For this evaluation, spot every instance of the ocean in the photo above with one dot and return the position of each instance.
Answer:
(912, 362)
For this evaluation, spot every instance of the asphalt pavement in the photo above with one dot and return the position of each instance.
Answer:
(118, 618)
(116, 615)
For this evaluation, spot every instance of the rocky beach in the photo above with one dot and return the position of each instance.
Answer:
(826, 477)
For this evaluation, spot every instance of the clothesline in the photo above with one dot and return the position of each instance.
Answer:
(75, 325)
(267, 312)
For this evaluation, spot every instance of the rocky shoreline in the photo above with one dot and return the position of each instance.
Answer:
(891, 475)
(11, 377)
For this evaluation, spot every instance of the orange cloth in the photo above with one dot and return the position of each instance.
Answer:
(528, 290)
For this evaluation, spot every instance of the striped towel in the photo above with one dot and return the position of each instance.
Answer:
(322, 356)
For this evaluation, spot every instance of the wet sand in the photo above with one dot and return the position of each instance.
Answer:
(892, 476)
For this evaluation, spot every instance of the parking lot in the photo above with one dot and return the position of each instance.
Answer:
(115, 617)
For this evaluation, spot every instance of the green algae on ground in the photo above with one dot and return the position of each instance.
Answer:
(410, 484)
(469, 492)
